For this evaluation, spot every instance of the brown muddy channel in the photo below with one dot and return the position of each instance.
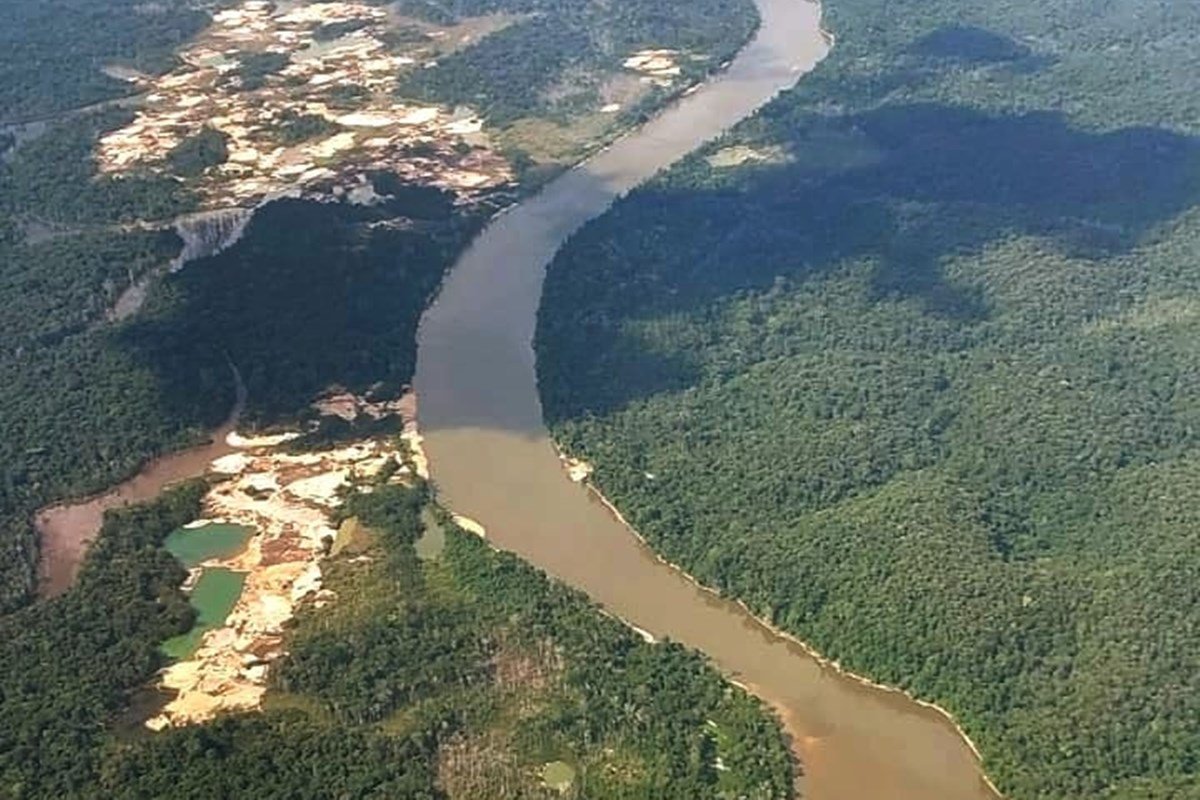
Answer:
(492, 458)
(65, 530)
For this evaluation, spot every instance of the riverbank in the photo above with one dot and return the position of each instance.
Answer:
(482, 421)
(812, 652)
(66, 529)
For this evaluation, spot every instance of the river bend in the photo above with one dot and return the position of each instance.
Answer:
(493, 460)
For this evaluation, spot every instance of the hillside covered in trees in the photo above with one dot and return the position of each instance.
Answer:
(460, 673)
(557, 55)
(316, 294)
(908, 362)
(53, 52)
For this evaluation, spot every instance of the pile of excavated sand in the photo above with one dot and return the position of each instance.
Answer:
(287, 498)
(207, 90)
(656, 66)
(578, 470)
(338, 402)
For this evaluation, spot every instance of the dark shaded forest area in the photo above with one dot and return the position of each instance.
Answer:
(909, 363)
(53, 50)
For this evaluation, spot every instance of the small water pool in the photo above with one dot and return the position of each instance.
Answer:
(214, 596)
(194, 546)
(217, 589)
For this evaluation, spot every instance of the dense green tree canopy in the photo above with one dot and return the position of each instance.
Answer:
(909, 363)
(556, 54)
(460, 675)
(315, 295)
(53, 50)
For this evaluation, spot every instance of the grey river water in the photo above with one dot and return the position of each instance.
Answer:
(492, 458)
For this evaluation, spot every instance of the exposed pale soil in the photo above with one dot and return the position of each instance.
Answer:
(349, 83)
(287, 499)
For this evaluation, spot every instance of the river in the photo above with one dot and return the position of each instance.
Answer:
(66, 529)
(493, 460)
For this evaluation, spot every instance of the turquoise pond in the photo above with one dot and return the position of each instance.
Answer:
(194, 546)
(217, 589)
(213, 597)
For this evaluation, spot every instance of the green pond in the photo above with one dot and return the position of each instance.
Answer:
(559, 776)
(432, 542)
(194, 546)
(213, 597)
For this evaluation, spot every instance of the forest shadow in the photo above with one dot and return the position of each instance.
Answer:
(950, 48)
(903, 186)
(972, 47)
(314, 295)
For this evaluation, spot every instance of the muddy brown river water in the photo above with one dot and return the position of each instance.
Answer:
(66, 529)
(492, 458)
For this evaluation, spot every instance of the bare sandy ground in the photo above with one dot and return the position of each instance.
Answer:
(287, 498)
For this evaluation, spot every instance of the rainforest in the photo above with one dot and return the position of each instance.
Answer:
(896, 376)
(907, 362)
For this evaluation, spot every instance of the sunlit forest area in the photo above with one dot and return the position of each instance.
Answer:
(460, 673)
(909, 363)
(556, 57)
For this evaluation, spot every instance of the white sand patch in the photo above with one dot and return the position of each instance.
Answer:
(202, 523)
(413, 440)
(343, 405)
(419, 116)
(364, 195)
(646, 635)
(578, 470)
(332, 146)
(232, 464)
(234, 439)
(464, 127)
(321, 488)
(306, 583)
(467, 179)
(261, 483)
(246, 155)
(654, 63)
(295, 170)
(469, 525)
(365, 120)
(738, 154)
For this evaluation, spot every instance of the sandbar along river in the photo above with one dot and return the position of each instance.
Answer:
(492, 458)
